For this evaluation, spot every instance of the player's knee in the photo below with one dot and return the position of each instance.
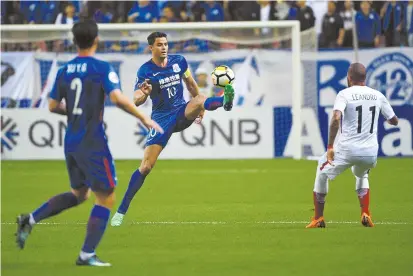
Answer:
(82, 194)
(359, 173)
(321, 183)
(146, 167)
(105, 198)
(199, 100)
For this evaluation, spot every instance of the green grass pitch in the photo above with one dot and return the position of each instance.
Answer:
(244, 217)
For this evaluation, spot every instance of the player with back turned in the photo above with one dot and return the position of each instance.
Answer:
(161, 79)
(358, 108)
(83, 83)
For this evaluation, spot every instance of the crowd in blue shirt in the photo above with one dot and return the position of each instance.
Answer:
(388, 23)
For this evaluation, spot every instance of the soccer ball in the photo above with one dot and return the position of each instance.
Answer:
(222, 75)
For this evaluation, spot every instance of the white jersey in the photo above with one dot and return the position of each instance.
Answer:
(360, 107)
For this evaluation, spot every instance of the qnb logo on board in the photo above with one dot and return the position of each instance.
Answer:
(9, 134)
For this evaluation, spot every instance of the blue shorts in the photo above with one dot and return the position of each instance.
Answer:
(170, 122)
(95, 170)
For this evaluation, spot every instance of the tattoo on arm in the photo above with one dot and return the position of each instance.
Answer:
(334, 125)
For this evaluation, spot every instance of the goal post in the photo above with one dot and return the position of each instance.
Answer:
(286, 33)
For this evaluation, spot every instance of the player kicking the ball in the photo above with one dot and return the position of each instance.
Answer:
(84, 83)
(161, 79)
(358, 106)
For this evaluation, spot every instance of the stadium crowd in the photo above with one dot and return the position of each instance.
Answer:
(378, 23)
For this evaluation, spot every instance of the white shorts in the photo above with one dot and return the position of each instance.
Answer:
(360, 165)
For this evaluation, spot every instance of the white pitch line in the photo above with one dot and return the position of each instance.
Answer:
(219, 222)
(181, 171)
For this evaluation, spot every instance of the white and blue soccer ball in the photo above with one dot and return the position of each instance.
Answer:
(222, 76)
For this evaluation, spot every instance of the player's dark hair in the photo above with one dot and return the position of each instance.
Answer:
(84, 33)
(153, 36)
(357, 72)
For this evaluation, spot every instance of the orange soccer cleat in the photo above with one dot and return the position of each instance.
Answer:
(317, 223)
(366, 220)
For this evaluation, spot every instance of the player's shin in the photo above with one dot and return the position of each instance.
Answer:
(54, 206)
(319, 193)
(96, 226)
(363, 193)
(135, 184)
(213, 103)
(364, 198)
(319, 201)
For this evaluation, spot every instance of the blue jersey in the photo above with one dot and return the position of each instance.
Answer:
(84, 82)
(167, 89)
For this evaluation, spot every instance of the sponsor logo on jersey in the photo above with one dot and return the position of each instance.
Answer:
(176, 68)
(113, 77)
(169, 81)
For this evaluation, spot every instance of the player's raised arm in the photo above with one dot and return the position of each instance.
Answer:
(388, 112)
(191, 84)
(111, 86)
(142, 92)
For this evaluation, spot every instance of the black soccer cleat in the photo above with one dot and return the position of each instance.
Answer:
(23, 229)
(92, 261)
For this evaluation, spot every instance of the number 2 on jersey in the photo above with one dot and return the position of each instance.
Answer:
(360, 116)
(76, 85)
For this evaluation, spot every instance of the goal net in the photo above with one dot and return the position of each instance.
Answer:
(265, 56)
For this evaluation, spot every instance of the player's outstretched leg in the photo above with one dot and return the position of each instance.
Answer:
(52, 207)
(226, 101)
(96, 227)
(363, 194)
(138, 177)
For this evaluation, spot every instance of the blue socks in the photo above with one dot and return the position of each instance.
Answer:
(95, 228)
(213, 103)
(135, 184)
(55, 205)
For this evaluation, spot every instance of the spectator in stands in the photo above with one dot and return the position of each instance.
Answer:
(194, 11)
(103, 15)
(347, 16)
(168, 14)
(241, 10)
(143, 12)
(392, 13)
(266, 12)
(332, 34)
(40, 12)
(285, 10)
(213, 11)
(409, 23)
(179, 9)
(367, 26)
(305, 15)
(67, 17)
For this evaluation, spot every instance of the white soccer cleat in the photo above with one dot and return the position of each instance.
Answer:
(117, 219)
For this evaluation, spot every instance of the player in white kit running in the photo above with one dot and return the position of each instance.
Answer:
(358, 108)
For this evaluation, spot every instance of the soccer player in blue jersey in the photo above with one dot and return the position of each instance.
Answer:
(83, 83)
(161, 79)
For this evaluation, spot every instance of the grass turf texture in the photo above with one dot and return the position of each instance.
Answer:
(224, 218)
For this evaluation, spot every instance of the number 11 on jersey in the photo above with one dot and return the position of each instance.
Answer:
(359, 109)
